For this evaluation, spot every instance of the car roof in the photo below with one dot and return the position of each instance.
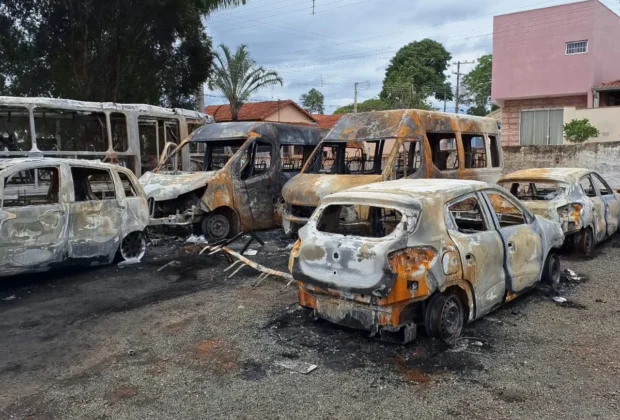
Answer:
(553, 174)
(410, 191)
(9, 163)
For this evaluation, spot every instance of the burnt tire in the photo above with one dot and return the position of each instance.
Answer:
(587, 241)
(216, 226)
(445, 317)
(552, 270)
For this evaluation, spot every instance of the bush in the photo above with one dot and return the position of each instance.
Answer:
(578, 131)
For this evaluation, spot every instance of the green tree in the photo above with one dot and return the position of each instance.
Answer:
(145, 51)
(313, 102)
(579, 131)
(476, 87)
(238, 76)
(366, 106)
(415, 73)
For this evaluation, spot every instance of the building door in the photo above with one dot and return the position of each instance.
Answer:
(541, 127)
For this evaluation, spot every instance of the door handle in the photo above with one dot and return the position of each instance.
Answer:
(60, 212)
(511, 246)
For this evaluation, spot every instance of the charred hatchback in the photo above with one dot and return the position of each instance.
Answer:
(579, 199)
(394, 256)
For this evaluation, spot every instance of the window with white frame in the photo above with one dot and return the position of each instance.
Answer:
(576, 47)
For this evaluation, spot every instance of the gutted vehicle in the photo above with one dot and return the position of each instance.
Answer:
(393, 256)
(238, 172)
(57, 212)
(379, 146)
(579, 199)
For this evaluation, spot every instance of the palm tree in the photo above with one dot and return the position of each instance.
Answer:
(238, 76)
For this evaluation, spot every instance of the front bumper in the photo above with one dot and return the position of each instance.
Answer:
(188, 217)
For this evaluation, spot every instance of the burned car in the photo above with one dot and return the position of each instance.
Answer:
(57, 212)
(392, 256)
(239, 170)
(579, 199)
(379, 146)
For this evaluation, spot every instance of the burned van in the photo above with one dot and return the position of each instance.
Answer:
(378, 146)
(238, 169)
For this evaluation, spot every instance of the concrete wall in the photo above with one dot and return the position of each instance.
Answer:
(601, 157)
(529, 58)
(607, 120)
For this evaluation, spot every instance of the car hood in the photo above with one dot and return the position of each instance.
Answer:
(169, 185)
(309, 189)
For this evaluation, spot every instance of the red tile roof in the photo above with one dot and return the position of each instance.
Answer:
(326, 121)
(607, 85)
(256, 111)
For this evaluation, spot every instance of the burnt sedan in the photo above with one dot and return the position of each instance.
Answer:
(579, 199)
(393, 256)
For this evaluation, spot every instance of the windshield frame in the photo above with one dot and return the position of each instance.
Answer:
(507, 185)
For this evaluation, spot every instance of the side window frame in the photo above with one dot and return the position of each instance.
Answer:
(487, 217)
(118, 181)
(596, 193)
(252, 150)
(118, 189)
(593, 176)
(61, 198)
(528, 217)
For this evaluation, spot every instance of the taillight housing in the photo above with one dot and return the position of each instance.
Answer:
(570, 212)
(412, 260)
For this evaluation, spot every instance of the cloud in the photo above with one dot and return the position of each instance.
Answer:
(349, 41)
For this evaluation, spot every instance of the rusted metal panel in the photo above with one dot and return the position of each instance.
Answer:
(37, 237)
(378, 283)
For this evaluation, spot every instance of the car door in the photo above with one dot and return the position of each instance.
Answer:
(598, 208)
(480, 246)
(520, 238)
(610, 202)
(94, 215)
(257, 176)
(33, 217)
(134, 209)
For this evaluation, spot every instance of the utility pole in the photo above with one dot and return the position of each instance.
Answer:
(313, 7)
(200, 99)
(355, 97)
(458, 82)
(445, 98)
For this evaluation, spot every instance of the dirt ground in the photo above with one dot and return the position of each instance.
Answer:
(186, 342)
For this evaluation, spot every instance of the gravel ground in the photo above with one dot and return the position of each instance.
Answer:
(185, 343)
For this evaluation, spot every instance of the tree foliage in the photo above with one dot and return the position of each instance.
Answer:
(313, 101)
(579, 131)
(146, 51)
(238, 76)
(476, 87)
(366, 106)
(415, 73)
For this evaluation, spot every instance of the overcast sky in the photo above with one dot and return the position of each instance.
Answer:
(348, 41)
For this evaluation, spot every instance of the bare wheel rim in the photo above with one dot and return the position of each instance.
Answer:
(133, 246)
(218, 226)
(587, 241)
(451, 318)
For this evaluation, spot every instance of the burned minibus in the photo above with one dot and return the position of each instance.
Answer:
(238, 169)
(378, 146)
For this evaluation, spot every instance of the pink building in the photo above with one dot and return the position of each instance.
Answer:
(551, 58)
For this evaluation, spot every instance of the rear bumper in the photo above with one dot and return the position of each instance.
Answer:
(389, 321)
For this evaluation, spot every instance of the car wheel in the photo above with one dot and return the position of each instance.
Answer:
(216, 226)
(133, 246)
(552, 271)
(446, 318)
(587, 241)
